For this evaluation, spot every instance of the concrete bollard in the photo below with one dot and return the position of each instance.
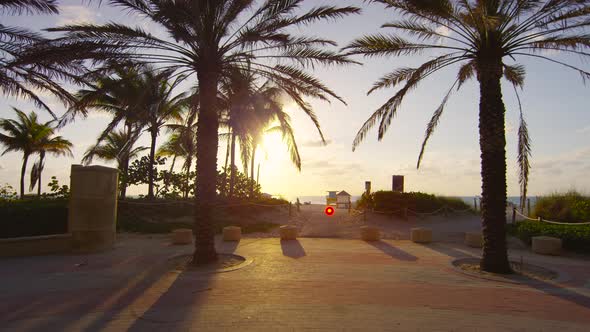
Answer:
(474, 239)
(92, 211)
(232, 233)
(546, 245)
(369, 233)
(421, 235)
(182, 236)
(288, 232)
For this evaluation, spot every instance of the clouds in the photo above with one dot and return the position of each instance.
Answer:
(76, 15)
(583, 130)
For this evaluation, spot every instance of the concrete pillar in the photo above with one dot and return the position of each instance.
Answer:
(93, 207)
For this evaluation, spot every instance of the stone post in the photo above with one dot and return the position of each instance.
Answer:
(93, 207)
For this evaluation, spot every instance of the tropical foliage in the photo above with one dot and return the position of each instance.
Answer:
(484, 40)
(570, 207)
(29, 136)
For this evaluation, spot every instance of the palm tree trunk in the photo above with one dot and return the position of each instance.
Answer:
(205, 193)
(492, 143)
(22, 175)
(187, 176)
(225, 170)
(258, 174)
(233, 168)
(252, 170)
(41, 158)
(124, 169)
(151, 175)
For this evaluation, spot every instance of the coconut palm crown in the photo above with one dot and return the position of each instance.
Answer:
(485, 38)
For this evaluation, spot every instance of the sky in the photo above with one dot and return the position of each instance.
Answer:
(554, 101)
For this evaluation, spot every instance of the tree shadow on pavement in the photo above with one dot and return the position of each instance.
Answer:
(292, 248)
(561, 292)
(392, 251)
(453, 250)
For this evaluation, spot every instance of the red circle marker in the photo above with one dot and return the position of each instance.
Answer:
(329, 211)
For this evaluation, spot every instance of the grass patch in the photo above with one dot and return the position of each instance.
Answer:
(570, 207)
(415, 201)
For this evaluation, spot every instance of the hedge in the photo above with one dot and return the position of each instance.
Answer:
(33, 217)
(574, 237)
(415, 201)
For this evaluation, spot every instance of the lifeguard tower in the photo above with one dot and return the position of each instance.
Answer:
(331, 198)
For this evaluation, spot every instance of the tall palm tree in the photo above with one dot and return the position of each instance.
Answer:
(55, 145)
(117, 146)
(23, 134)
(206, 37)
(27, 79)
(484, 36)
(268, 110)
(160, 106)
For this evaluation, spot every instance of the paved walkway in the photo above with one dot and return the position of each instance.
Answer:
(330, 284)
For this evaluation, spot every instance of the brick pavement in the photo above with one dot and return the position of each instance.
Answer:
(309, 284)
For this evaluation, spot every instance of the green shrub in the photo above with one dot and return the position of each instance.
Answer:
(415, 201)
(574, 237)
(365, 202)
(33, 217)
(564, 207)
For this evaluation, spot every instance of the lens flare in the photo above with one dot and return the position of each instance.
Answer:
(329, 211)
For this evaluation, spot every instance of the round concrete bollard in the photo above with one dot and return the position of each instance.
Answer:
(92, 210)
(232, 233)
(474, 239)
(288, 232)
(369, 233)
(421, 235)
(546, 245)
(182, 236)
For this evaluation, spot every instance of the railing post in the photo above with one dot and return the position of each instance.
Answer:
(540, 219)
(513, 215)
(290, 206)
(475, 204)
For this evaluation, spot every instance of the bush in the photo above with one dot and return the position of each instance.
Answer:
(33, 217)
(415, 201)
(574, 237)
(564, 207)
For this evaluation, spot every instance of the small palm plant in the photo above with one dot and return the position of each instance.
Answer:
(54, 145)
(117, 146)
(29, 136)
(484, 37)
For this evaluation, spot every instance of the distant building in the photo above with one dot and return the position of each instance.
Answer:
(343, 200)
(397, 183)
(267, 196)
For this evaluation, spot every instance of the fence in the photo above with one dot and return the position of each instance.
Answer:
(540, 219)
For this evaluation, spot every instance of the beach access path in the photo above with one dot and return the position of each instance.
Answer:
(299, 285)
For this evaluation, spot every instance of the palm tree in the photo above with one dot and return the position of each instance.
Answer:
(26, 79)
(206, 38)
(23, 134)
(55, 145)
(117, 146)
(160, 107)
(139, 96)
(181, 143)
(268, 110)
(484, 36)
